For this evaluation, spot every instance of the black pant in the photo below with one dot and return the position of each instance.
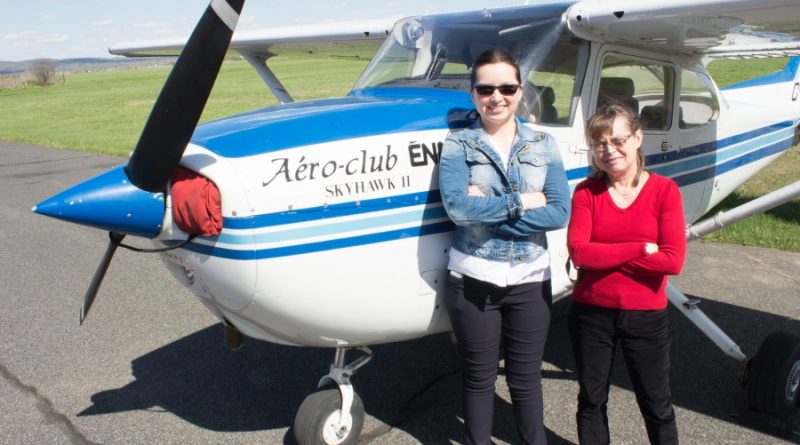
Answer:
(482, 314)
(644, 339)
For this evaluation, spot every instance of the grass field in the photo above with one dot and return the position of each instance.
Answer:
(104, 112)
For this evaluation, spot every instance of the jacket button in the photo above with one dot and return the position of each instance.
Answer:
(514, 187)
(522, 257)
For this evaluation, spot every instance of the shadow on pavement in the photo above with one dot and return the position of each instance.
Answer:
(414, 386)
(703, 378)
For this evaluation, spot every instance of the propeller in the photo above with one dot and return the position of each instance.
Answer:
(113, 242)
(174, 116)
(183, 97)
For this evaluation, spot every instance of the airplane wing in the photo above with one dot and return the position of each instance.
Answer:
(708, 28)
(338, 39)
(261, 42)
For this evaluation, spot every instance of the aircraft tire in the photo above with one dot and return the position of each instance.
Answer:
(773, 383)
(315, 419)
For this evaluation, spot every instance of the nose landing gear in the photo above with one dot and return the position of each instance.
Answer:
(333, 415)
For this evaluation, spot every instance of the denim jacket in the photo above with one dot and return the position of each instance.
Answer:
(495, 226)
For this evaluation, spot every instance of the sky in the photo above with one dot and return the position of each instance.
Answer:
(60, 29)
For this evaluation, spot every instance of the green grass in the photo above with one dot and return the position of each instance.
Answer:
(727, 72)
(104, 112)
(778, 228)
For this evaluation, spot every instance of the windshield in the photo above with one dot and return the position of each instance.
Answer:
(438, 52)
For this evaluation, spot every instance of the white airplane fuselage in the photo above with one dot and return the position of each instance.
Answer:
(334, 233)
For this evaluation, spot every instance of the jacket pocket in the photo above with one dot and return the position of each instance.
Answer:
(482, 171)
(533, 169)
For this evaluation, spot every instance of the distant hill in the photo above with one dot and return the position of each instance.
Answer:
(88, 64)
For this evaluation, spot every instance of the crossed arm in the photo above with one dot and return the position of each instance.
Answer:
(515, 213)
(664, 255)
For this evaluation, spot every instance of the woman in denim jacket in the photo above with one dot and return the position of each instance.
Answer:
(504, 187)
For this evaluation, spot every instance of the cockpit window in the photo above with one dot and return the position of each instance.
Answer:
(438, 52)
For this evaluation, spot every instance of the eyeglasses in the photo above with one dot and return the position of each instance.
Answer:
(505, 90)
(602, 146)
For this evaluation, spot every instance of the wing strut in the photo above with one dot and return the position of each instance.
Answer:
(259, 63)
(706, 325)
(750, 208)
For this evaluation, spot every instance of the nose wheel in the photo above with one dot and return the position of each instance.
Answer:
(320, 420)
(333, 415)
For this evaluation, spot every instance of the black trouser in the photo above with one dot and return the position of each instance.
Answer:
(482, 314)
(644, 340)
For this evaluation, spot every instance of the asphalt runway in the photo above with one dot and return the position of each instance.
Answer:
(149, 365)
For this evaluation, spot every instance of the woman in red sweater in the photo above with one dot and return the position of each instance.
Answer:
(626, 235)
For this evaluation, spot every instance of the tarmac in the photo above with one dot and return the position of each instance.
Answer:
(149, 365)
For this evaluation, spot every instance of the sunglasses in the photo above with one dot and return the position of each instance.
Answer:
(505, 90)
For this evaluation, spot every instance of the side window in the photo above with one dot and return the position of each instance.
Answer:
(644, 86)
(698, 103)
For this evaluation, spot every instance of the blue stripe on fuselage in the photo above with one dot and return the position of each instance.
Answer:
(425, 214)
(743, 155)
(707, 147)
(653, 161)
(733, 164)
(253, 254)
(718, 152)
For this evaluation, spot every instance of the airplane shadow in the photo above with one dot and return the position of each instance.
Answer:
(412, 386)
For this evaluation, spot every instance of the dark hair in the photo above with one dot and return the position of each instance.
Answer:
(602, 122)
(495, 55)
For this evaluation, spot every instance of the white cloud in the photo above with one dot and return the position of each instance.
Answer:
(51, 38)
(150, 25)
(10, 37)
(101, 23)
(161, 32)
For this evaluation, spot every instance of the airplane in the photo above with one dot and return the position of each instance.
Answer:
(319, 223)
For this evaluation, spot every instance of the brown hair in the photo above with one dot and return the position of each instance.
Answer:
(602, 122)
(495, 55)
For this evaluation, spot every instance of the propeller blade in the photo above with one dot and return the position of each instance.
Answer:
(114, 241)
(179, 105)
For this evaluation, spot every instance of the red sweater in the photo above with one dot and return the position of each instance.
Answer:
(608, 243)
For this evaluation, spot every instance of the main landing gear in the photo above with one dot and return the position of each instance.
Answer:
(771, 376)
(333, 415)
